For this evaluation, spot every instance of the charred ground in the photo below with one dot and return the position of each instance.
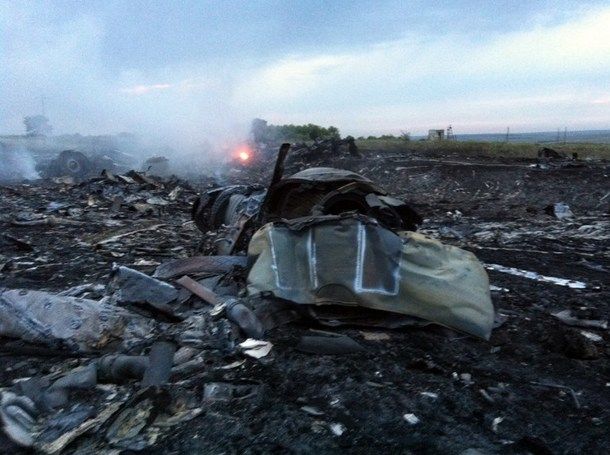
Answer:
(538, 386)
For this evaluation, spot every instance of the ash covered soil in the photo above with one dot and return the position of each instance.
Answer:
(539, 385)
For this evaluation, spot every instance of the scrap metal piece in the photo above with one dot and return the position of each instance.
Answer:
(58, 445)
(567, 318)
(274, 313)
(352, 260)
(160, 361)
(559, 210)
(225, 205)
(117, 237)
(278, 170)
(334, 345)
(225, 391)
(199, 264)
(311, 192)
(132, 286)
(337, 315)
(329, 191)
(574, 284)
(126, 427)
(207, 295)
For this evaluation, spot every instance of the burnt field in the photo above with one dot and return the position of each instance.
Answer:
(540, 385)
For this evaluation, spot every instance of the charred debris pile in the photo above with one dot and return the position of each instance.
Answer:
(155, 309)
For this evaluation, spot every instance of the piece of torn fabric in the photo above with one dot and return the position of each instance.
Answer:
(60, 321)
(352, 260)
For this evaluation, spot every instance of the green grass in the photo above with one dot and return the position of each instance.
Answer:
(488, 149)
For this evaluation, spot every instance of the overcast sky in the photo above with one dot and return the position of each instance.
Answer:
(198, 68)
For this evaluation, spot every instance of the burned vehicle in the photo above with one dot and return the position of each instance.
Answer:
(327, 236)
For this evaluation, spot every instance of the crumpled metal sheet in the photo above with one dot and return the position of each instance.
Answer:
(134, 287)
(60, 321)
(311, 192)
(352, 260)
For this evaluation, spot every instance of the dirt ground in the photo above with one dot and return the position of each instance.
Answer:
(538, 386)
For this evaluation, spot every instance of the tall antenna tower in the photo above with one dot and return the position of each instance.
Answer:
(507, 132)
(450, 135)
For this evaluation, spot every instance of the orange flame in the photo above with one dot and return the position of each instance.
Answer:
(243, 153)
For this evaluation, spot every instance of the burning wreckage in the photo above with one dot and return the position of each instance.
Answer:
(325, 245)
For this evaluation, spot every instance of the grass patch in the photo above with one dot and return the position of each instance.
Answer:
(487, 149)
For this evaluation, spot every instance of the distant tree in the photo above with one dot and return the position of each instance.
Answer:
(259, 130)
(37, 125)
(387, 136)
(405, 135)
(371, 138)
(314, 131)
(333, 132)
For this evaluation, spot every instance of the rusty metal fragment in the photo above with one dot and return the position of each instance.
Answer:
(199, 290)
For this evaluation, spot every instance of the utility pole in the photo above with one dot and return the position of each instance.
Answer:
(507, 132)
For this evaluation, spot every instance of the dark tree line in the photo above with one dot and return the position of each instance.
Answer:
(266, 132)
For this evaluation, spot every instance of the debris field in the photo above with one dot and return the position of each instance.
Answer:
(168, 350)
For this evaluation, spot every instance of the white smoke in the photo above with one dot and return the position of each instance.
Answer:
(16, 164)
(184, 108)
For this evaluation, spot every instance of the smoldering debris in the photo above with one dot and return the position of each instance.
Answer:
(287, 314)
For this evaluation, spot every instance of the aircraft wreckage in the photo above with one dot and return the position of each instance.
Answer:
(329, 236)
(324, 245)
(269, 333)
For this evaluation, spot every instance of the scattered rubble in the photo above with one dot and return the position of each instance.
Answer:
(286, 315)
